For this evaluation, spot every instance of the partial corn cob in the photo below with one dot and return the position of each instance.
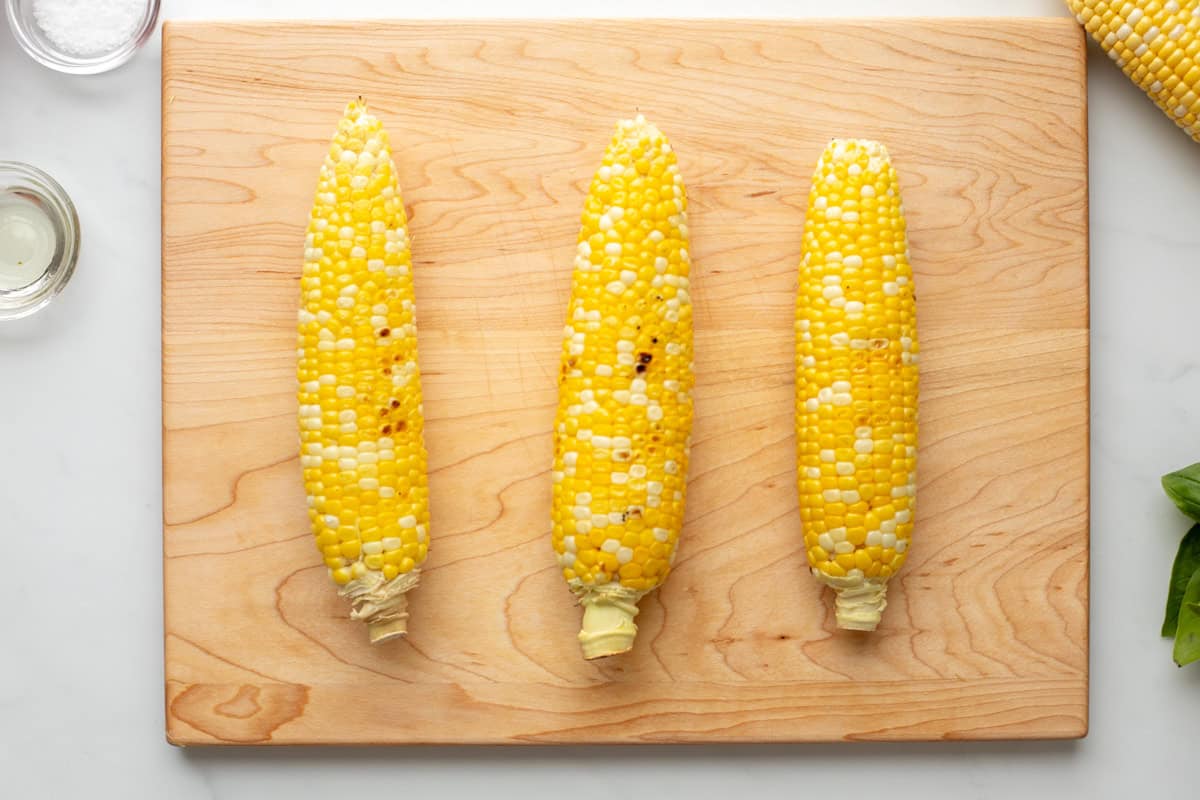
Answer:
(1157, 44)
(625, 389)
(856, 380)
(361, 423)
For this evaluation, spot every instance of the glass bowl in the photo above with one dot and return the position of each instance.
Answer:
(41, 48)
(22, 184)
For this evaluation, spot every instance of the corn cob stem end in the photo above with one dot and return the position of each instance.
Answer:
(397, 628)
(381, 603)
(608, 628)
(859, 602)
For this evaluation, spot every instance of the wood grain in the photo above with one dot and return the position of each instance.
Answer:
(497, 127)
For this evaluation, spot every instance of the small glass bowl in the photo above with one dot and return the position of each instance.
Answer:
(41, 48)
(32, 185)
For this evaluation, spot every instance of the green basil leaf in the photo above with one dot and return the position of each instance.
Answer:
(1187, 637)
(1187, 562)
(1183, 487)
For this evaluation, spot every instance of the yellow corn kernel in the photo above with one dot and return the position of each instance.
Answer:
(625, 388)
(856, 379)
(361, 425)
(1157, 45)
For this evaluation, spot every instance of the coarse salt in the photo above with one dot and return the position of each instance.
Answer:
(89, 27)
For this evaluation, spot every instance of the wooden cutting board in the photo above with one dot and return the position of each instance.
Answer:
(498, 127)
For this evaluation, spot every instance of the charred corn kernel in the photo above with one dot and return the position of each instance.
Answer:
(625, 388)
(361, 446)
(856, 379)
(1157, 44)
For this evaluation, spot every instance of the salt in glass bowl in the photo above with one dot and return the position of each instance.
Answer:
(41, 48)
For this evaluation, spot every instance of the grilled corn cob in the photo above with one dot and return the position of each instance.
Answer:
(1157, 44)
(625, 389)
(361, 445)
(856, 380)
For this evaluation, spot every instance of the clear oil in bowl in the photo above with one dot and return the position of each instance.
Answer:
(28, 240)
(39, 239)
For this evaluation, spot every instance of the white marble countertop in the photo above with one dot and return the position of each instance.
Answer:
(81, 666)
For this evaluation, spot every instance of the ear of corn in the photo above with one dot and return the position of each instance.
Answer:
(361, 445)
(1157, 44)
(625, 389)
(856, 380)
